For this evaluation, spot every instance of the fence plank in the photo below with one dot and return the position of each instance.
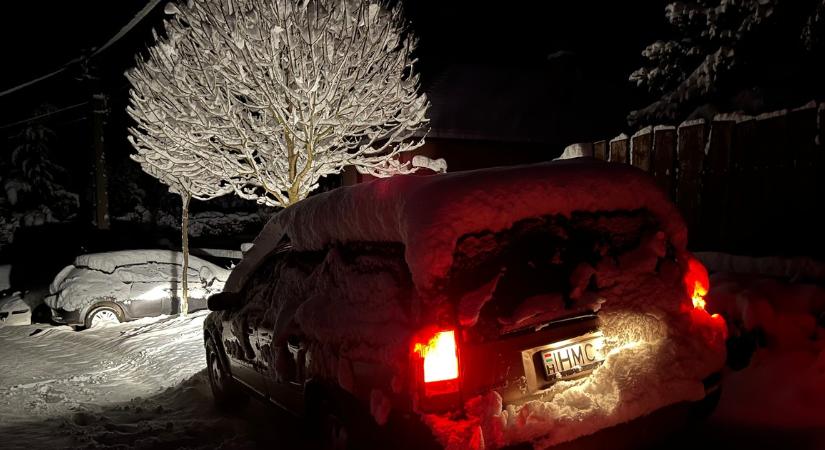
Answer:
(802, 132)
(641, 148)
(690, 152)
(600, 150)
(619, 149)
(742, 180)
(664, 158)
(751, 184)
(715, 228)
(772, 173)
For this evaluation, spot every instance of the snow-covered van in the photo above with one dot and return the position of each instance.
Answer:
(533, 304)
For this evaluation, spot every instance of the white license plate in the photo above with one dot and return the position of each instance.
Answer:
(573, 357)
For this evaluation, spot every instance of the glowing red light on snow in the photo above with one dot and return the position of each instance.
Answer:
(697, 283)
(440, 357)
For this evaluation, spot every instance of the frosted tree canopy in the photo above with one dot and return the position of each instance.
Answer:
(264, 97)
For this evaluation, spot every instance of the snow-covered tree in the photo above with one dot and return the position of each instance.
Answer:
(33, 187)
(285, 92)
(726, 53)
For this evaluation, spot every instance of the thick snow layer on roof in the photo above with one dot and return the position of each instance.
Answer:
(429, 214)
(109, 261)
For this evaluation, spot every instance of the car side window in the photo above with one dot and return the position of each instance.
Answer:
(263, 280)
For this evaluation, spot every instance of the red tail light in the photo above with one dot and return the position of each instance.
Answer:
(697, 283)
(439, 368)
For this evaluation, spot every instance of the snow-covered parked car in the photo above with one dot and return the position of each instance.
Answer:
(129, 284)
(23, 307)
(534, 304)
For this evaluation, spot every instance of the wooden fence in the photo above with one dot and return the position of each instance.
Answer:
(748, 185)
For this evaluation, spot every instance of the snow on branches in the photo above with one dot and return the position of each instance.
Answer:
(264, 97)
(688, 69)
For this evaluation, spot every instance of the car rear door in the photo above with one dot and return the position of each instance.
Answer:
(245, 343)
(284, 349)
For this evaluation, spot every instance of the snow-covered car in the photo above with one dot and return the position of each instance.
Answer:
(534, 304)
(14, 311)
(129, 284)
(23, 307)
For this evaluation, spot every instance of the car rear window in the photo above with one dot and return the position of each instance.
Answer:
(538, 256)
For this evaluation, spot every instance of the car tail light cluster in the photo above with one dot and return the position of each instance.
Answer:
(697, 283)
(437, 369)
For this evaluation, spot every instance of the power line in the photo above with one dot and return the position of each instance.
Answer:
(42, 116)
(128, 27)
(39, 79)
(122, 32)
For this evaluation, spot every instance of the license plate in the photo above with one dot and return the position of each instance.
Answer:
(573, 357)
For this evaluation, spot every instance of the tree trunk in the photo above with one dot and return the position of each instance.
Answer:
(184, 229)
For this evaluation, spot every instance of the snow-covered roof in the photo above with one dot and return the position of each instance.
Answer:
(428, 214)
(109, 261)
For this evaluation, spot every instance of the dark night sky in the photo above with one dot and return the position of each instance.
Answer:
(40, 35)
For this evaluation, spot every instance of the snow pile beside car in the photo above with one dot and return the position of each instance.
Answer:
(53, 371)
(783, 385)
(131, 274)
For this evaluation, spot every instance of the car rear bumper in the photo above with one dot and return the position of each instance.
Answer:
(654, 430)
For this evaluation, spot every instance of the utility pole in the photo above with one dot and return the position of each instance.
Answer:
(101, 193)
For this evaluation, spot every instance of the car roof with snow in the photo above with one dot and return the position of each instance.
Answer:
(429, 214)
(109, 261)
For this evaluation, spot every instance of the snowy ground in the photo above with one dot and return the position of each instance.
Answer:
(143, 385)
(140, 384)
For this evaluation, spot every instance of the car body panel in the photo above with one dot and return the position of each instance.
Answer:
(14, 311)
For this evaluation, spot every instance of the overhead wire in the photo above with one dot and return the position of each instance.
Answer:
(122, 32)
(42, 116)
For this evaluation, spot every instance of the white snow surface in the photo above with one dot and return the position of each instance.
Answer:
(131, 274)
(783, 385)
(579, 150)
(135, 385)
(691, 123)
(428, 214)
(620, 137)
(642, 132)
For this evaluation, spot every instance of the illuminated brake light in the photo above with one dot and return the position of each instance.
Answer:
(440, 357)
(698, 298)
(697, 283)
